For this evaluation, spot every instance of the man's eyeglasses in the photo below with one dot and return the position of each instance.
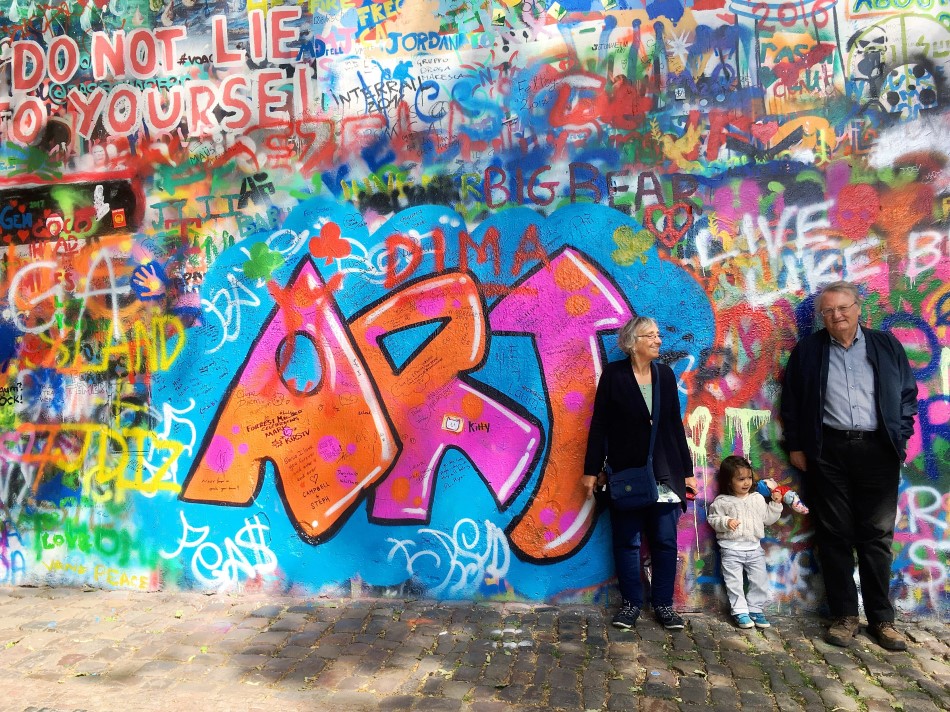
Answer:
(831, 311)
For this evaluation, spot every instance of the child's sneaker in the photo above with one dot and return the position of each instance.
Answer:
(743, 620)
(760, 620)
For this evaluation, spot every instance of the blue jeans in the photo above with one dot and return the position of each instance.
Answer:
(658, 522)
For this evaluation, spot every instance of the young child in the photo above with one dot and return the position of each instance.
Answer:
(739, 516)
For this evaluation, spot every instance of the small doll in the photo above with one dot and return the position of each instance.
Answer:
(789, 496)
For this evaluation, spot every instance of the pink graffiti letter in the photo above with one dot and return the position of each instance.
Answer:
(434, 409)
(563, 305)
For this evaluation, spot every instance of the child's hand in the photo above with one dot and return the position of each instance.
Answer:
(776, 495)
(733, 524)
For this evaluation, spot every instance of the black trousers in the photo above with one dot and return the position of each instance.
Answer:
(853, 490)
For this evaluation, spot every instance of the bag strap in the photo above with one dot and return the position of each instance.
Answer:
(655, 413)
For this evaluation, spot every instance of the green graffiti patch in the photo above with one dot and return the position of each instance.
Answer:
(263, 262)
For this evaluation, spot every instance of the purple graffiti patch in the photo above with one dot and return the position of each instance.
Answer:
(431, 306)
(373, 334)
(574, 401)
(329, 448)
(220, 454)
(346, 476)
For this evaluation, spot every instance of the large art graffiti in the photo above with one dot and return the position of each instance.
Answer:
(313, 296)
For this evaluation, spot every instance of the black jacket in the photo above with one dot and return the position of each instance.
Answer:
(620, 427)
(806, 376)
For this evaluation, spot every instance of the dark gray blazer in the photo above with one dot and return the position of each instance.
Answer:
(806, 376)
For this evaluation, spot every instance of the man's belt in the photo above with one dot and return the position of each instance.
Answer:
(849, 434)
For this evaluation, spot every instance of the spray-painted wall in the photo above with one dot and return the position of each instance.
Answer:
(313, 297)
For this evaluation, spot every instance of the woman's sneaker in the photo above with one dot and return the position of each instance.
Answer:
(626, 617)
(669, 618)
(743, 620)
(760, 620)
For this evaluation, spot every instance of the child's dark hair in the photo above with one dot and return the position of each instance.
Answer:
(728, 469)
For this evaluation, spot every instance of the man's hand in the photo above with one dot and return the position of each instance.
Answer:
(691, 488)
(733, 524)
(798, 460)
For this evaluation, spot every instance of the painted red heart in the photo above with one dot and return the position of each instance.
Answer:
(764, 131)
(676, 222)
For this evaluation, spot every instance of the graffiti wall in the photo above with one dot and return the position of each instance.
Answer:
(312, 297)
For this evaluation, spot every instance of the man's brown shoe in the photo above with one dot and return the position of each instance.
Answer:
(842, 631)
(887, 636)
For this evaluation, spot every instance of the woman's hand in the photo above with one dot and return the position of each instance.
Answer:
(592, 481)
(589, 482)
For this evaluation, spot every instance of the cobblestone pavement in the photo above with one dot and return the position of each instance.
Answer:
(66, 650)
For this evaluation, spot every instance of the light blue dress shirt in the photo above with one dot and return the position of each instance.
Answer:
(849, 395)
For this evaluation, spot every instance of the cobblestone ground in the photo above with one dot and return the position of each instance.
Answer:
(69, 650)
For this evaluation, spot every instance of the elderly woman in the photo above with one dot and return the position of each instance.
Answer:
(620, 435)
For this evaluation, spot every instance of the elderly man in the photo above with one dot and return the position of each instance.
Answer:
(848, 406)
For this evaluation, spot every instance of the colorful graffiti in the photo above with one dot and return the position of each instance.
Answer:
(313, 295)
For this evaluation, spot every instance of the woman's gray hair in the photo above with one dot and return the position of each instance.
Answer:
(628, 333)
(839, 286)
